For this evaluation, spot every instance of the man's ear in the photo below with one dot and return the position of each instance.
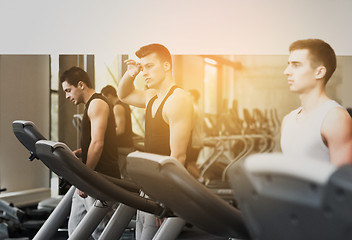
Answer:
(320, 72)
(167, 66)
(81, 85)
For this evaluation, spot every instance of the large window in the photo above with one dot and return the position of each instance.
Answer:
(54, 115)
(210, 86)
(54, 98)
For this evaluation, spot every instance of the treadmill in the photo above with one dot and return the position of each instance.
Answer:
(60, 159)
(283, 198)
(165, 179)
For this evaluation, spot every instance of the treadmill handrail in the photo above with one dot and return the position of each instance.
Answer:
(86, 179)
(24, 122)
(161, 159)
(278, 164)
(164, 179)
(28, 134)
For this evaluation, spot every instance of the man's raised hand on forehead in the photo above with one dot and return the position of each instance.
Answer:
(133, 67)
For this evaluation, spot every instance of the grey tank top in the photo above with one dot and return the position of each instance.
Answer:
(301, 140)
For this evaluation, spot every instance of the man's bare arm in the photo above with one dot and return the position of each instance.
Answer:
(178, 111)
(98, 114)
(126, 90)
(337, 134)
(120, 120)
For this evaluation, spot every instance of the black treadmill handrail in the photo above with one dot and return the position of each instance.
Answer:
(61, 160)
(280, 165)
(28, 134)
(184, 195)
(278, 190)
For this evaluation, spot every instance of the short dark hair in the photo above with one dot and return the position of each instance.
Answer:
(74, 75)
(321, 53)
(109, 90)
(162, 52)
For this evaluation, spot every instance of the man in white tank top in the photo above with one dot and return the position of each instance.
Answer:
(320, 128)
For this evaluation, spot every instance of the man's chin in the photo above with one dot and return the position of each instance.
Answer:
(292, 89)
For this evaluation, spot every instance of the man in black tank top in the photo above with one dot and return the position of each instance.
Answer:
(98, 141)
(169, 112)
(122, 114)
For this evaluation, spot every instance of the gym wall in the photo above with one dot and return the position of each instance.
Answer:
(24, 95)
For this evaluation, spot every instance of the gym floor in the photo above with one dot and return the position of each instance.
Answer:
(24, 233)
(189, 233)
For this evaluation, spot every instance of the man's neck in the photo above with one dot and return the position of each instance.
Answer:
(164, 87)
(313, 99)
(88, 94)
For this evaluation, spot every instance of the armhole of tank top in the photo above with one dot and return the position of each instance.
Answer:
(322, 121)
(151, 100)
(171, 91)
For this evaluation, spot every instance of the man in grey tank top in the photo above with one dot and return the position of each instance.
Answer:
(320, 128)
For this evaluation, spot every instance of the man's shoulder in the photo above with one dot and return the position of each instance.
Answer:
(179, 96)
(336, 115)
(337, 120)
(337, 126)
(97, 106)
(179, 103)
(98, 101)
(180, 93)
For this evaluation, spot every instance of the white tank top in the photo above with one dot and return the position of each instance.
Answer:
(303, 139)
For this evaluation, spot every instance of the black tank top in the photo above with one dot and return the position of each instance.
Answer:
(108, 163)
(125, 139)
(157, 131)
